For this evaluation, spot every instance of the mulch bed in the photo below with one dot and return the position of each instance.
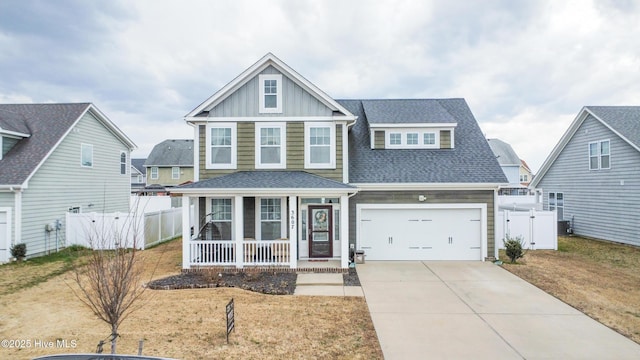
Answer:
(266, 282)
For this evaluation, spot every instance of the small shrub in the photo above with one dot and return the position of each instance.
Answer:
(514, 248)
(19, 251)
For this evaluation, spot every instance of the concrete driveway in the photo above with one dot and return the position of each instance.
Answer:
(476, 310)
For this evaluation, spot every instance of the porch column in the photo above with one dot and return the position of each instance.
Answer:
(186, 233)
(238, 221)
(344, 231)
(293, 231)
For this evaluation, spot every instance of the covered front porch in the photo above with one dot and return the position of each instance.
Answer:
(267, 219)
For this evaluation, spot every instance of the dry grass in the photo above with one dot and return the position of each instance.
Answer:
(186, 324)
(598, 278)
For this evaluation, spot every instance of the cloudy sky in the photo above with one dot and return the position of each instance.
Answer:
(526, 68)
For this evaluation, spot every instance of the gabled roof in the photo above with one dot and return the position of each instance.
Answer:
(470, 161)
(624, 121)
(172, 152)
(47, 125)
(138, 164)
(268, 60)
(267, 179)
(504, 153)
(406, 111)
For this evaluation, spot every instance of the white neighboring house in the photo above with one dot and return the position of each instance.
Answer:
(54, 159)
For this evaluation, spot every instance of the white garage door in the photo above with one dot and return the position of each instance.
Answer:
(4, 237)
(421, 234)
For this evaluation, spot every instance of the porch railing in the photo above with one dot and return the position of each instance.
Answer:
(255, 253)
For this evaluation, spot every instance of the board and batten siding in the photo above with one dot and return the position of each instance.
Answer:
(244, 102)
(603, 204)
(433, 197)
(246, 151)
(62, 183)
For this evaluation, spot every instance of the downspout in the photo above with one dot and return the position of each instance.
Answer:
(17, 228)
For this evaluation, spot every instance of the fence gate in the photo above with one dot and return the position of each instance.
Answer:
(538, 229)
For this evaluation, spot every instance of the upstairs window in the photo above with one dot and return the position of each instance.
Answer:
(271, 146)
(123, 163)
(429, 138)
(395, 139)
(175, 172)
(154, 172)
(600, 155)
(524, 178)
(221, 149)
(270, 93)
(412, 139)
(86, 155)
(320, 146)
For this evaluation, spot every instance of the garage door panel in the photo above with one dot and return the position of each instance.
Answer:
(421, 234)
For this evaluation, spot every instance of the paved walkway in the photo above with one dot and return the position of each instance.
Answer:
(476, 310)
(325, 285)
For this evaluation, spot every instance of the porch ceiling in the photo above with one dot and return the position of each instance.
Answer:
(267, 182)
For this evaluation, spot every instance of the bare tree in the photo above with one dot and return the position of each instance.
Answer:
(110, 280)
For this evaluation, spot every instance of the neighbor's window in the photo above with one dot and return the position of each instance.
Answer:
(320, 151)
(556, 202)
(221, 152)
(270, 93)
(524, 178)
(221, 220)
(175, 172)
(271, 146)
(270, 219)
(154, 172)
(123, 163)
(86, 155)
(600, 155)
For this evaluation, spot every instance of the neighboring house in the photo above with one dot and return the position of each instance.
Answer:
(592, 176)
(510, 164)
(170, 163)
(285, 174)
(525, 173)
(138, 175)
(57, 158)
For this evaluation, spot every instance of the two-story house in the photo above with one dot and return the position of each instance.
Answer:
(170, 163)
(138, 175)
(592, 176)
(285, 174)
(57, 158)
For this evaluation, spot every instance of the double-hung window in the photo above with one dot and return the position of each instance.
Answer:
(270, 93)
(600, 155)
(123, 163)
(320, 146)
(271, 149)
(175, 172)
(154, 172)
(222, 147)
(221, 220)
(556, 202)
(86, 155)
(270, 218)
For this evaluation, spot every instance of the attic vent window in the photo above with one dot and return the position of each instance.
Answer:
(270, 93)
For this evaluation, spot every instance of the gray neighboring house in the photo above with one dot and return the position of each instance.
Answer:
(592, 176)
(138, 175)
(170, 163)
(280, 162)
(57, 158)
(511, 166)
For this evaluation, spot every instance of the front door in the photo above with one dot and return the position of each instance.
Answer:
(320, 231)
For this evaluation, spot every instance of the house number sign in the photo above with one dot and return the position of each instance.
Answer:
(292, 219)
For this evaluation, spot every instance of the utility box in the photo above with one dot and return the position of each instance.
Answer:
(359, 257)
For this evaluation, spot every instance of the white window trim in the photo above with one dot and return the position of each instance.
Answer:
(307, 146)
(283, 146)
(173, 172)
(599, 154)
(157, 171)
(404, 139)
(234, 145)
(283, 216)
(126, 161)
(82, 145)
(278, 108)
(209, 210)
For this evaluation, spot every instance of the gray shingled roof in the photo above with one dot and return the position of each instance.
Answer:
(471, 161)
(267, 179)
(623, 119)
(172, 152)
(46, 123)
(406, 111)
(139, 165)
(504, 152)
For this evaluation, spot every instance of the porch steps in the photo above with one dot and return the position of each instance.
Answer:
(324, 284)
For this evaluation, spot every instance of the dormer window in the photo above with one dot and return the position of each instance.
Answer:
(270, 93)
(429, 138)
(413, 139)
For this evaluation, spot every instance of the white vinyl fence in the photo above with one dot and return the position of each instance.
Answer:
(538, 229)
(108, 231)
